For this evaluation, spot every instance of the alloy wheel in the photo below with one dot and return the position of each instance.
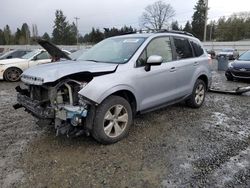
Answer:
(115, 121)
(199, 94)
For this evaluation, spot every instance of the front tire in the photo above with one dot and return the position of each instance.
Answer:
(198, 95)
(112, 120)
(12, 74)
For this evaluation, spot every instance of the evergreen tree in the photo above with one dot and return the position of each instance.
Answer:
(25, 34)
(60, 28)
(46, 36)
(199, 19)
(63, 32)
(96, 35)
(71, 34)
(211, 30)
(18, 36)
(188, 27)
(7, 35)
(175, 26)
(2, 41)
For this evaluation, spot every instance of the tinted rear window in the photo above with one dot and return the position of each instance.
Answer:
(198, 51)
(183, 48)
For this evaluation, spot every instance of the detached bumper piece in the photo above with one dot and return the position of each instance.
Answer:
(34, 107)
(238, 91)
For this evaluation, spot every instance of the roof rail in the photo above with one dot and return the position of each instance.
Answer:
(175, 31)
(165, 31)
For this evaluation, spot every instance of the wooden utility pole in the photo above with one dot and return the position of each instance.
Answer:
(205, 26)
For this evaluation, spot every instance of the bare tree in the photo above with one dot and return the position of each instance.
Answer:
(157, 15)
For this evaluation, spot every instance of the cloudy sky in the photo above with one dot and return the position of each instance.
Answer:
(101, 13)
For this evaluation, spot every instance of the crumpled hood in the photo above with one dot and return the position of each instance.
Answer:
(11, 61)
(53, 71)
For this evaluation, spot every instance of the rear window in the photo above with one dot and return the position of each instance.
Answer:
(183, 48)
(198, 51)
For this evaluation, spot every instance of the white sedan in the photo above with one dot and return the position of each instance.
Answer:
(11, 69)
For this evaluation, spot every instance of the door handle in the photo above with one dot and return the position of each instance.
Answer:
(173, 69)
(196, 63)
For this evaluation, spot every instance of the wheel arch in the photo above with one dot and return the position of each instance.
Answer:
(204, 78)
(129, 96)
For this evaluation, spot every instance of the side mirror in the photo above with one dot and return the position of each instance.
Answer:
(153, 60)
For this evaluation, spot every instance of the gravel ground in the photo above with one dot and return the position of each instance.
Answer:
(172, 147)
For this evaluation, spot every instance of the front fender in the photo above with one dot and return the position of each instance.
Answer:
(100, 88)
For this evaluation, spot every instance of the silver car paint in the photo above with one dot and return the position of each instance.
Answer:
(160, 85)
(54, 71)
(152, 88)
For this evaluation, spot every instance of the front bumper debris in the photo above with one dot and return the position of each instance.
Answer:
(238, 91)
(34, 107)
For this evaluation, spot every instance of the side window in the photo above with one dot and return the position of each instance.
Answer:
(198, 51)
(43, 55)
(20, 53)
(183, 48)
(159, 46)
(15, 54)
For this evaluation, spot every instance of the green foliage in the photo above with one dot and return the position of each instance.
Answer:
(188, 27)
(7, 35)
(46, 36)
(175, 26)
(25, 32)
(96, 35)
(236, 27)
(18, 36)
(63, 32)
(198, 21)
(211, 28)
(2, 41)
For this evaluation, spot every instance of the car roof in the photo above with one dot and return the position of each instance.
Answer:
(147, 35)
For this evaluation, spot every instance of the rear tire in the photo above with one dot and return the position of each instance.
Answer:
(198, 95)
(112, 120)
(12, 74)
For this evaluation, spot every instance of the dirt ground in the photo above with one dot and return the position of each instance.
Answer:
(172, 147)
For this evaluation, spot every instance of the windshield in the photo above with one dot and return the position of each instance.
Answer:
(30, 55)
(113, 50)
(245, 56)
(77, 54)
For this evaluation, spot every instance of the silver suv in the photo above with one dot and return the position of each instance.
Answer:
(100, 93)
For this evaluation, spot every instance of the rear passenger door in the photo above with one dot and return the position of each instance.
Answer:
(185, 65)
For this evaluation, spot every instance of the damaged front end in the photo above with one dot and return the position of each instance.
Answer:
(58, 104)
